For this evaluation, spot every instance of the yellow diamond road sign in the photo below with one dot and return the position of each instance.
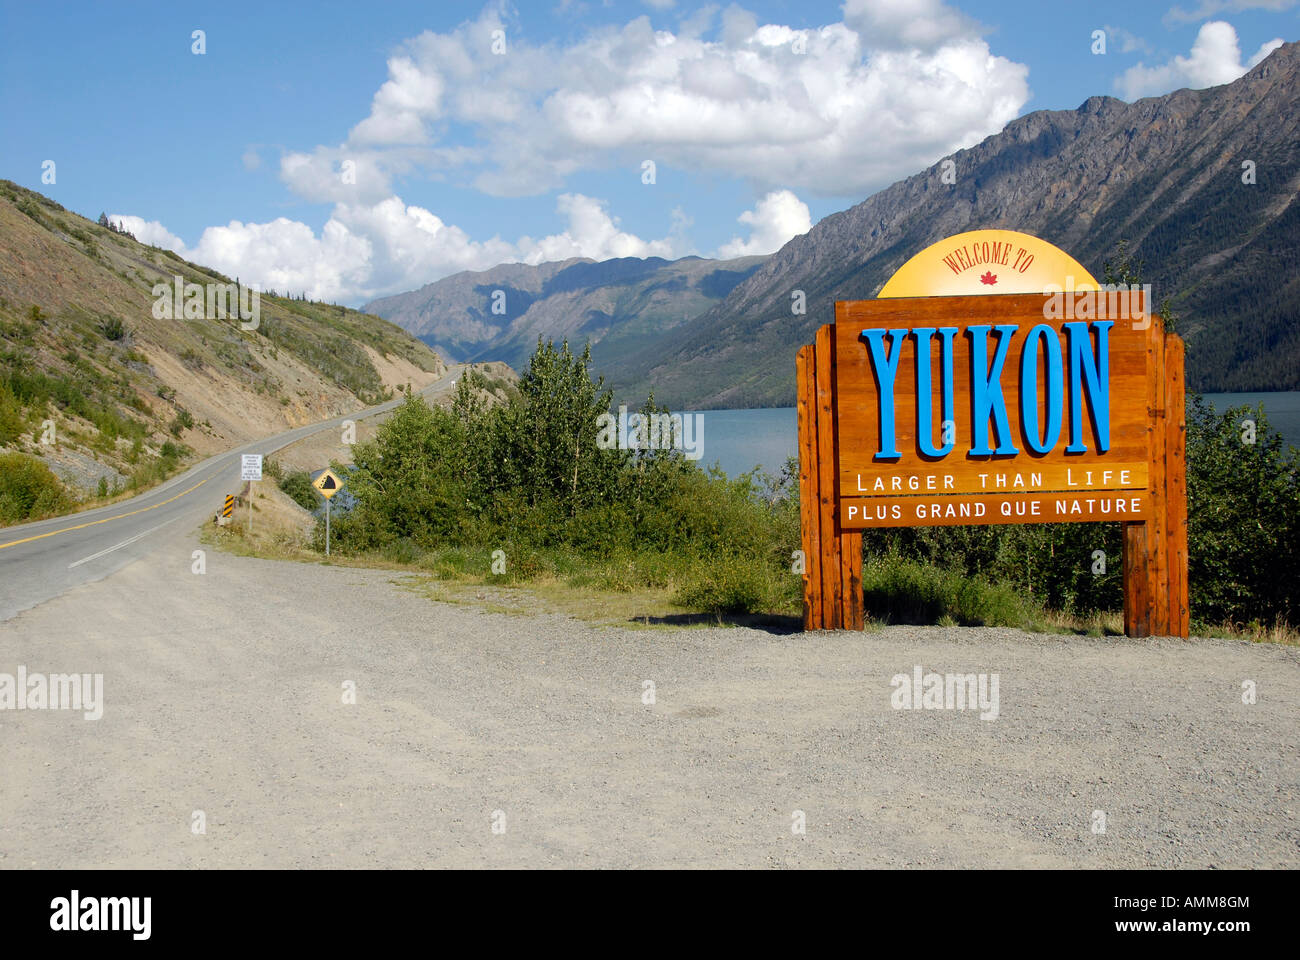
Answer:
(328, 484)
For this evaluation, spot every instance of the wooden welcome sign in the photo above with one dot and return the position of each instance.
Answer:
(994, 381)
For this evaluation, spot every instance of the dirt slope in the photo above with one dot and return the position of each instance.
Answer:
(86, 344)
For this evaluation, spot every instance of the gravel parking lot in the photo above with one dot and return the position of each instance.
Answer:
(231, 703)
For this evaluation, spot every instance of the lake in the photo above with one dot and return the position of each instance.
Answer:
(739, 440)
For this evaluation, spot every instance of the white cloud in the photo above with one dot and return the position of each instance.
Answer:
(341, 175)
(839, 109)
(1215, 58)
(1209, 8)
(776, 218)
(401, 106)
(592, 233)
(412, 246)
(286, 256)
(148, 231)
(367, 250)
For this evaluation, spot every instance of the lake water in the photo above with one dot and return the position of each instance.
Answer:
(739, 440)
(1282, 409)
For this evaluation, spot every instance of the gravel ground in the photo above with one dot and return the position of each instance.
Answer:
(223, 694)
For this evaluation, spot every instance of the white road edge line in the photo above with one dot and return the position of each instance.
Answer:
(124, 543)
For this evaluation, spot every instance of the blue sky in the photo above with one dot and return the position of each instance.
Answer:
(469, 148)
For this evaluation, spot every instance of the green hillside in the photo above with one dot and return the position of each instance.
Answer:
(111, 397)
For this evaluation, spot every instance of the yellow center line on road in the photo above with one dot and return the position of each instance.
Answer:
(91, 523)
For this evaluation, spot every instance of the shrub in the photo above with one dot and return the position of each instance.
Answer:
(402, 551)
(11, 415)
(112, 328)
(729, 584)
(906, 591)
(184, 420)
(527, 476)
(296, 484)
(29, 490)
(29, 208)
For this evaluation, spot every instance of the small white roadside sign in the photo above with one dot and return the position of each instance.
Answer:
(250, 466)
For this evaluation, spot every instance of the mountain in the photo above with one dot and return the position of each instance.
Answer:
(125, 397)
(622, 306)
(1164, 173)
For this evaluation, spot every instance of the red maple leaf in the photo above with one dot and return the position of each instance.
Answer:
(989, 278)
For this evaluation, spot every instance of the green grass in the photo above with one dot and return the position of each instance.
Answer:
(905, 591)
(654, 589)
(651, 589)
(740, 584)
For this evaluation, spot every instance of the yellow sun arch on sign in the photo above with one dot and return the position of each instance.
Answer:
(988, 261)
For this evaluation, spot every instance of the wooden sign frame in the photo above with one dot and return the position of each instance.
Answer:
(1155, 549)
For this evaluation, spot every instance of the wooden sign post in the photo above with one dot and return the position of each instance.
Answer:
(1044, 407)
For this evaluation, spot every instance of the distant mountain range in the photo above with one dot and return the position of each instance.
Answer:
(622, 306)
(1166, 174)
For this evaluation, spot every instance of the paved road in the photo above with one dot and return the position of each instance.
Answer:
(43, 560)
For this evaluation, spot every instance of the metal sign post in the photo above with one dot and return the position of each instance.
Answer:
(327, 484)
(250, 469)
